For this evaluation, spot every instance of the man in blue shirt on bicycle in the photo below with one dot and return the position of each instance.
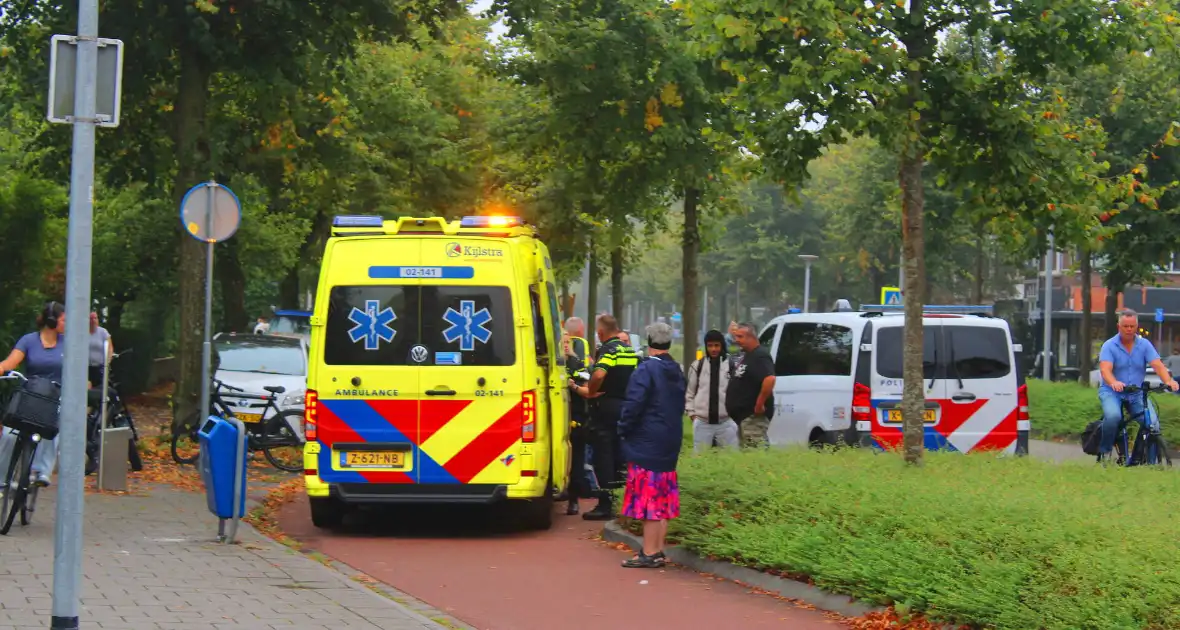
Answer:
(1122, 362)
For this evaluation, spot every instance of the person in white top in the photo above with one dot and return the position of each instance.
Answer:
(704, 399)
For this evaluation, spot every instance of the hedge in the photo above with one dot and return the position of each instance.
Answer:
(986, 540)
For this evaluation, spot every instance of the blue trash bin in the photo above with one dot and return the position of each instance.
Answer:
(221, 466)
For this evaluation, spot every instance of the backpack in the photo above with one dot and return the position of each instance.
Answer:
(1092, 437)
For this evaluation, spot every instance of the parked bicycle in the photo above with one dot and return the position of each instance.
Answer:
(272, 433)
(118, 416)
(30, 415)
(1149, 447)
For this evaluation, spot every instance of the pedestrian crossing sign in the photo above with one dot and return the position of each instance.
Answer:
(891, 296)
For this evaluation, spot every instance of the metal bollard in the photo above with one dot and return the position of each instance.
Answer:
(114, 458)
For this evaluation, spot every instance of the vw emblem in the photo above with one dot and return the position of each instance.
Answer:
(419, 354)
(244, 403)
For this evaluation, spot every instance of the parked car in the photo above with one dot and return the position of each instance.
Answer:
(251, 362)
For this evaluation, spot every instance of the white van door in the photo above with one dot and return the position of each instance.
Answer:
(813, 382)
(981, 410)
(888, 345)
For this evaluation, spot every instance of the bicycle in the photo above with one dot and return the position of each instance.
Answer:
(118, 416)
(1149, 447)
(18, 494)
(272, 435)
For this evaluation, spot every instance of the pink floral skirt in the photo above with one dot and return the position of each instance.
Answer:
(651, 496)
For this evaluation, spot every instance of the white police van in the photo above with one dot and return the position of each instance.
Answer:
(839, 379)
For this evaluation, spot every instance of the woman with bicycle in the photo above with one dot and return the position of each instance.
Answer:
(42, 354)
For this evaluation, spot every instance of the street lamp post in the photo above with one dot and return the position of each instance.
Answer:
(807, 260)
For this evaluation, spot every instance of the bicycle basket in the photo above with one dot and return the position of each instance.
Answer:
(1092, 437)
(34, 408)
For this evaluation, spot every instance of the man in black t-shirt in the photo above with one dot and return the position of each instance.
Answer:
(749, 399)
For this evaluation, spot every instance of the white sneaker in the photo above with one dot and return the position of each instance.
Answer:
(41, 479)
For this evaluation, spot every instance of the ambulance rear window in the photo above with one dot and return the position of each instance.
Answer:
(475, 323)
(420, 326)
(371, 325)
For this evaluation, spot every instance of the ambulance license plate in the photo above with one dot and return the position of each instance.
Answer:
(373, 459)
(929, 416)
(249, 417)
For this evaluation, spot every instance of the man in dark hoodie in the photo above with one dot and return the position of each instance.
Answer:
(708, 380)
(651, 428)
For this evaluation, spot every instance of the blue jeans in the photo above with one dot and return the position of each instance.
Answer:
(1112, 414)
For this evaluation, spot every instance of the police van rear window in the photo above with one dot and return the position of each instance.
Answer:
(419, 326)
(978, 352)
(889, 351)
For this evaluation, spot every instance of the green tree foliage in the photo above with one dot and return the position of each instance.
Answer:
(812, 75)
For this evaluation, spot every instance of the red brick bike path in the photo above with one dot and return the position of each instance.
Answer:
(494, 577)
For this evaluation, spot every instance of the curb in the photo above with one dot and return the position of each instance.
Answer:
(785, 587)
(414, 608)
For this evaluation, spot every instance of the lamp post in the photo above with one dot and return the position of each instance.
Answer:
(807, 260)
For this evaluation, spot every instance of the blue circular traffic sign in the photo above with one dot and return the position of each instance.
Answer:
(210, 212)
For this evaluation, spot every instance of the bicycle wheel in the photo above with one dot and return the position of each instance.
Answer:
(30, 492)
(1160, 451)
(282, 446)
(16, 481)
(186, 449)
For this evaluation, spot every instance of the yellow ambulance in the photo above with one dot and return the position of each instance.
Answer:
(436, 371)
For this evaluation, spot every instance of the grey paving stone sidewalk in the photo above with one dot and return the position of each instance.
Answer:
(151, 562)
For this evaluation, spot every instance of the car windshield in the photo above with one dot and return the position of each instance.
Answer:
(248, 355)
(285, 325)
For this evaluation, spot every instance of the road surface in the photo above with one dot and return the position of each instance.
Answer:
(474, 566)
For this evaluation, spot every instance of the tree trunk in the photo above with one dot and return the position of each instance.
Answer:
(233, 289)
(1084, 343)
(913, 399)
(616, 283)
(114, 323)
(192, 158)
(691, 242)
(1111, 324)
(289, 288)
(592, 297)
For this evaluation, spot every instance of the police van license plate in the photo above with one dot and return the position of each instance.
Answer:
(373, 459)
(929, 416)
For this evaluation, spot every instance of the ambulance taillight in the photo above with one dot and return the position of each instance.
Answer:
(311, 408)
(528, 417)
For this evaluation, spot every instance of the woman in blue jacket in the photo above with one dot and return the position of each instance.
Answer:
(651, 427)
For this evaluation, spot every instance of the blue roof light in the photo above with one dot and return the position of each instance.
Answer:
(490, 221)
(358, 221)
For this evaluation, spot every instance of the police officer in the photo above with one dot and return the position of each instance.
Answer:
(607, 389)
(576, 329)
(579, 484)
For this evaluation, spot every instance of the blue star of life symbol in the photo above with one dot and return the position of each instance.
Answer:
(467, 325)
(372, 325)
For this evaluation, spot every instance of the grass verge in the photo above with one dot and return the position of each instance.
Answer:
(1062, 410)
(978, 539)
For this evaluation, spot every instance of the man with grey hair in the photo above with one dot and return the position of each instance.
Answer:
(651, 428)
(749, 397)
(576, 329)
(1123, 361)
